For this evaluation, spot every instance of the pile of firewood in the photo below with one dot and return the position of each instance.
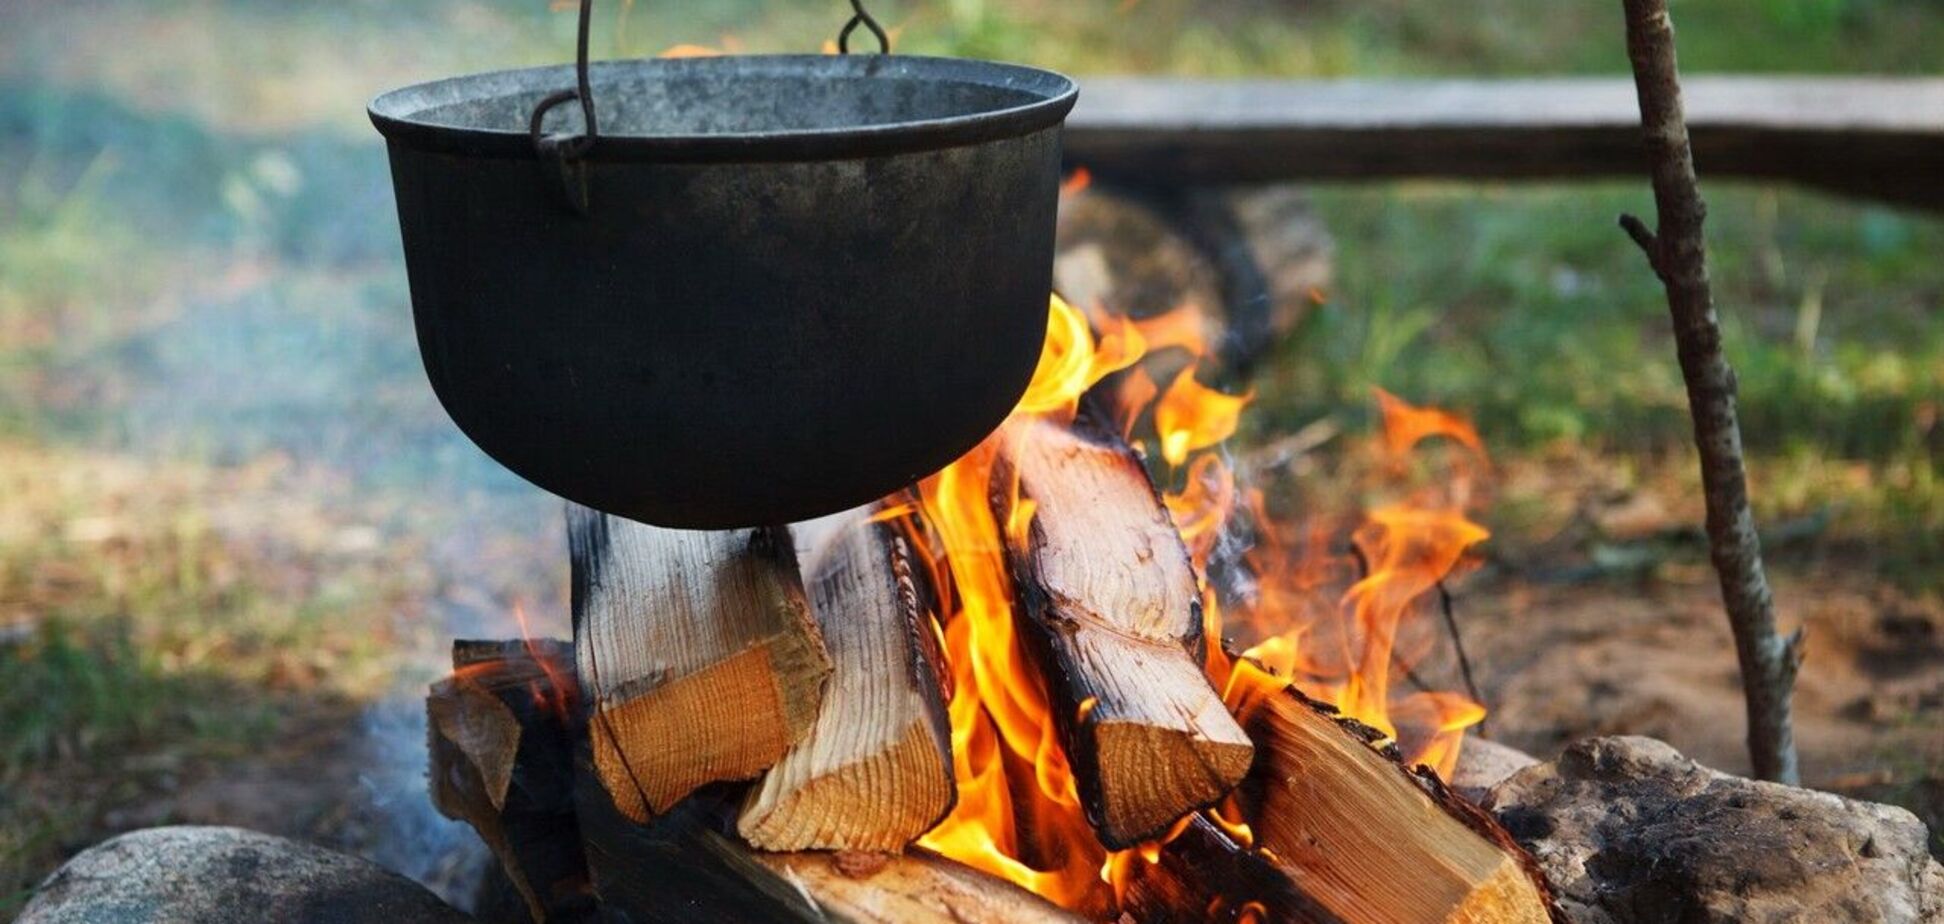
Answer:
(732, 737)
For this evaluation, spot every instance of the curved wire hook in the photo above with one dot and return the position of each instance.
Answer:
(862, 17)
(566, 150)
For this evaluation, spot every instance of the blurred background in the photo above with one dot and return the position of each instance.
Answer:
(236, 530)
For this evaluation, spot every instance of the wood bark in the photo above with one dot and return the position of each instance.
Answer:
(1368, 840)
(1110, 606)
(875, 771)
(501, 760)
(696, 651)
(1677, 252)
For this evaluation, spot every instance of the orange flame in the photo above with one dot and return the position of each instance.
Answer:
(1406, 425)
(1076, 182)
(686, 50)
(1191, 416)
(558, 695)
(1330, 623)
(1018, 814)
(555, 695)
(1317, 618)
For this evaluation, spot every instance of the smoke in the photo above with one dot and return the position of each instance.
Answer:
(407, 835)
(502, 554)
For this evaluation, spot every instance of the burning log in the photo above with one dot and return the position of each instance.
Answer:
(1204, 870)
(916, 887)
(696, 651)
(1368, 840)
(685, 866)
(501, 761)
(1111, 604)
(875, 770)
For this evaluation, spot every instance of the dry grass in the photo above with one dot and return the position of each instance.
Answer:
(159, 619)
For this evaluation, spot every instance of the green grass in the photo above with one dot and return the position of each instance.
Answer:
(1530, 308)
(1325, 38)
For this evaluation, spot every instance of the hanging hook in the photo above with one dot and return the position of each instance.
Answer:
(565, 151)
(862, 17)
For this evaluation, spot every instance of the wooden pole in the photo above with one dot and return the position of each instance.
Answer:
(1678, 255)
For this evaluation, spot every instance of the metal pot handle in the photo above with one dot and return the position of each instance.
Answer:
(565, 151)
(862, 17)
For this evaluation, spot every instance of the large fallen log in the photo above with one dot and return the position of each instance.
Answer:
(1873, 136)
(697, 655)
(1249, 263)
(1370, 841)
(875, 771)
(1111, 607)
(500, 753)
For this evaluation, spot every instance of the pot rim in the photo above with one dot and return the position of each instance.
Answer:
(397, 114)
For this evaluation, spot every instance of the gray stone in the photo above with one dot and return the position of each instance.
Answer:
(208, 875)
(1628, 830)
(1483, 764)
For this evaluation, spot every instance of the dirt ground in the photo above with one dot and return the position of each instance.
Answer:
(1562, 662)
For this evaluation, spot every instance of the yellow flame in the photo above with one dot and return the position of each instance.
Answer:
(1315, 620)
(1012, 774)
(1191, 416)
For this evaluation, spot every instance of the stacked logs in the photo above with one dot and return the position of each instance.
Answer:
(733, 736)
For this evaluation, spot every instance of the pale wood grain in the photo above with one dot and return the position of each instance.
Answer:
(1365, 839)
(1113, 611)
(875, 771)
(916, 888)
(697, 653)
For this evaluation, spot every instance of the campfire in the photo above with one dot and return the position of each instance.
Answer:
(1082, 673)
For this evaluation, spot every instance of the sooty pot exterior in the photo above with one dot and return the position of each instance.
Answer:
(746, 326)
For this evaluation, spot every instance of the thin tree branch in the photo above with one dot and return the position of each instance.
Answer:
(1679, 257)
(1649, 244)
(1446, 604)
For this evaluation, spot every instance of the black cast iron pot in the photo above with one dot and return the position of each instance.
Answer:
(798, 283)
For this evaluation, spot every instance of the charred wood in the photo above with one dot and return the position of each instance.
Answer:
(501, 761)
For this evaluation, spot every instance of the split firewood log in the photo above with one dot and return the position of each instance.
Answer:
(1111, 607)
(918, 887)
(875, 771)
(686, 865)
(697, 655)
(1371, 841)
(502, 761)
